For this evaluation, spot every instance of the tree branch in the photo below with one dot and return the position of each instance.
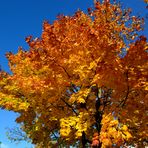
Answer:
(69, 106)
(128, 91)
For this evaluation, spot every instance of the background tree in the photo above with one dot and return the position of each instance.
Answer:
(81, 83)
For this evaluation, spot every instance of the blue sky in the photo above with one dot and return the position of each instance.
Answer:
(21, 18)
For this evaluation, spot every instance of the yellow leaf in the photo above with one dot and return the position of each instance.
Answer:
(124, 128)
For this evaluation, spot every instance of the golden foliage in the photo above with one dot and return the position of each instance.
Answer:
(112, 132)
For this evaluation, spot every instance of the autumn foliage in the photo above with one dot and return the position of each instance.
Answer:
(83, 82)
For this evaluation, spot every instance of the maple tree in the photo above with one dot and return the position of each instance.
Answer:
(81, 84)
(146, 1)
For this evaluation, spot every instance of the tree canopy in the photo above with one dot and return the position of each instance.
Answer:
(83, 82)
